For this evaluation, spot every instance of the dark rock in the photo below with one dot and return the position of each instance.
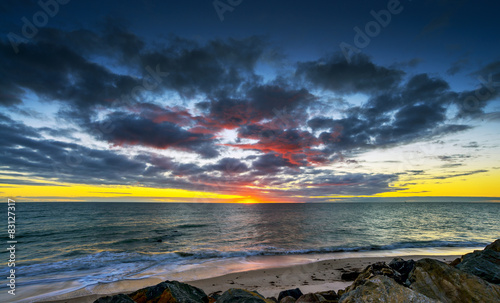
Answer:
(237, 295)
(170, 292)
(484, 264)
(350, 276)
(330, 295)
(310, 298)
(383, 289)
(455, 262)
(379, 268)
(288, 299)
(295, 293)
(273, 299)
(403, 268)
(439, 281)
(494, 246)
(121, 298)
(215, 294)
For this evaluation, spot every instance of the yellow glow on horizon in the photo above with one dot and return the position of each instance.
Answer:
(61, 191)
(478, 185)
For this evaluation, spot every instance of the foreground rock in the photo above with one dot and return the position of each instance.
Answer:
(294, 293)
(379, 268)
(165, 292)
(440, 281)
(495, 246)
(121, 298)
(483, 263)
(243, 296)
(383, 289)
(403, 268)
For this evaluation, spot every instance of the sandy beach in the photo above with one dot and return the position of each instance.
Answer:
(311, 277)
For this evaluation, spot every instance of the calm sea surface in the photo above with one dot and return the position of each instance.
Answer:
(74, 245)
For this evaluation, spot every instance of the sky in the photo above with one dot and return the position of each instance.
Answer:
(249, 101)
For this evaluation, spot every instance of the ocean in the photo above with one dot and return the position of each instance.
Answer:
(66, 247)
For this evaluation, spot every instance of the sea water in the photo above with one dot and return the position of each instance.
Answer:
(65, 247)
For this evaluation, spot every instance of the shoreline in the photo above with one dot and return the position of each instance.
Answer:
(321, 275)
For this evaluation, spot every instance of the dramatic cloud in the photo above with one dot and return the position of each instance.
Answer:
(128, 129)
(221, 114)
(360, 75)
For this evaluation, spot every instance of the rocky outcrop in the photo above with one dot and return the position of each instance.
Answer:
(288, 299)
(403, 268)
(483, 263)
(379, 268)
(294, 293)
(350, 275)
(440, 281)
(165, 292)
(234, 295)
(495, 246)
(121, 298)
(170, 291)
(329, 295)
(311, 298)
(383, 289)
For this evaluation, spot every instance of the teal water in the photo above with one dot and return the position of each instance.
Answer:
(88, 243)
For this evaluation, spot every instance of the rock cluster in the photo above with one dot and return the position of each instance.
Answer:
(473, 278)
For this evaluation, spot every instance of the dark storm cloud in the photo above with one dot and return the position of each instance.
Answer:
(271, 163)
(326, 183)
(112, 40)
(129, 129)
(472, 103)
(218, 66)
(415, 110)
(359, 76)
(229, 166)
(283, 105)
(25, 151)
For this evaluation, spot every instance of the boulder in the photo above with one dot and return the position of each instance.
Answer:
(215, 294)
(455, 262)
(438, 280)
(170, 292)
(121, 298)
(494, 246)
(350, 275)
(379, 268)
(273, 299)
(484, 264)
(295, 293)
(403, 268)
(329, 295)
(310, 298)
(238, 295)
(288, 299)
(383, 289)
